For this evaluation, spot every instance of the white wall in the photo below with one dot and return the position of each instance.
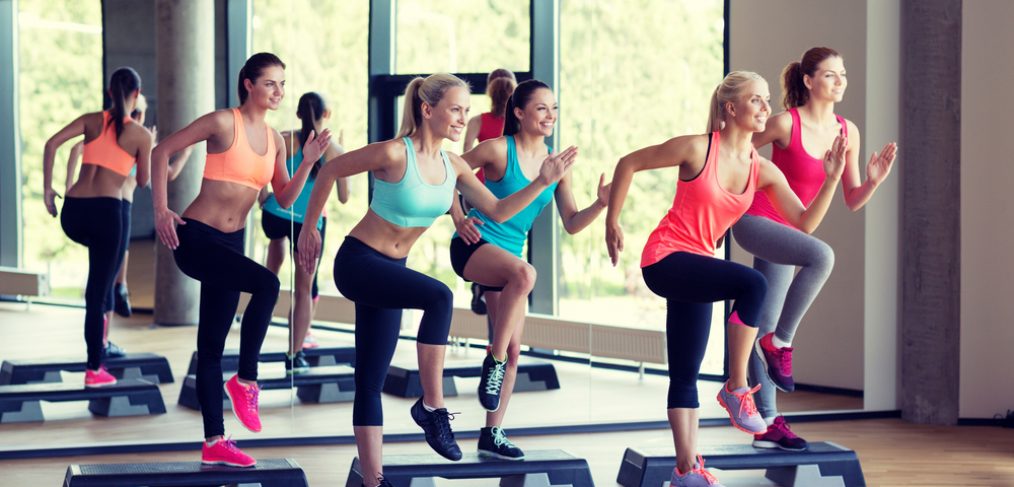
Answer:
(987, 209)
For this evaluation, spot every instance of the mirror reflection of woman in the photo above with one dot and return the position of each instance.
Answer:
(93, 210)
(244, 155)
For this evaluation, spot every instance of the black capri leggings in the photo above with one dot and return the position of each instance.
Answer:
(276, 227)
(690, 283)
(124, 245)
(216, 259)
(95, 223)
(381, 287)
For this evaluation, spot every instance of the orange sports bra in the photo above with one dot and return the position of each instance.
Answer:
(239, 163)
(104, 151)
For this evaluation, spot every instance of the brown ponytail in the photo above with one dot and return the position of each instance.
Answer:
(794, 90)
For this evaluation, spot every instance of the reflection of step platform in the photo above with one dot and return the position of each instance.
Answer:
(317, 357)
(267, 473)
(148, 366)
(131, 397)
(824, 464)
(533, 375)
(333, 383)
(540, 468)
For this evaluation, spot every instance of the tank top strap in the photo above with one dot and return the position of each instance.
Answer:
(513, 165)
(448, 169)
(844, 125)
(238, 130)
(711, 160)
(796, 134)
(411, 164)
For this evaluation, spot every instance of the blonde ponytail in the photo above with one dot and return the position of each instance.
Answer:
(729, 90)
(429, 90)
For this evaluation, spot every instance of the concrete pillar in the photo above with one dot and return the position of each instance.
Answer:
(931, 210)
(184, 38)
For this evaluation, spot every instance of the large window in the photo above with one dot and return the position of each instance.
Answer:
(59, 78)
(324, 47)
(629, 78)
(462, 36)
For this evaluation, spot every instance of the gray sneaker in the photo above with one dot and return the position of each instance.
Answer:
(741, 408)
(696, 477)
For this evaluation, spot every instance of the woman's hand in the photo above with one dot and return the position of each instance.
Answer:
(49, 196)
(308, 248)
(834, 158)
(603, 195)
(315, 145)
(614, 241)
(880, 164)
(165, 226)
(468, 229)
(556, 165)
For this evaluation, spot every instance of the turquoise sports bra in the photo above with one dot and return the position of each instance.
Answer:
(413, 202)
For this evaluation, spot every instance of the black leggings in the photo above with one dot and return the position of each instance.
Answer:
(690, 283)
(124, 245)
(276, 227)
(216, 259)
(381, 287)
(95, 223)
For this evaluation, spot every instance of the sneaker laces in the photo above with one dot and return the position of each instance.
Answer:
(252, 392)
(785, 360)
(699, 470)
(229, 444)
(746, 401)
(442, 421)
(783, 427)
(496, 374)
(500, 437)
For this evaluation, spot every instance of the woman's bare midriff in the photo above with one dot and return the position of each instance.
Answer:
(222, 205)
(386, 237)
(97, 182)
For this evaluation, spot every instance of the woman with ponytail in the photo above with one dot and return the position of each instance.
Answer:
(810, 89)
(719, 173)
(510, 162)
(414, 183)
(281, 224)
(244, 155)
(92, 212)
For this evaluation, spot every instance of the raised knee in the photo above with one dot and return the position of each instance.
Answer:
(523, 276)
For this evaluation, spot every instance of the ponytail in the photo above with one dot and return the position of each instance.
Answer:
(123, 83)
(794, 90)
(310, 109)
(519, 99)
(729, 90)
(499, 92)
(252, 70)
(429, 90)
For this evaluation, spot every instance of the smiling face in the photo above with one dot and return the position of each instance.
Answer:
(450, 115)
(538, 116)
(268, 89)
(828, 81)
(752, 107)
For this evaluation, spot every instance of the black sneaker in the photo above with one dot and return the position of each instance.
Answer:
(491, 382)
(113, 350)
(478, 303)
(296, 364)
(121, 301)
(493, 442)
(437, 426)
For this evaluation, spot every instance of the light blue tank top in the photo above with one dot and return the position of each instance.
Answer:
(413, 202)
(297, 211)
(511, 234)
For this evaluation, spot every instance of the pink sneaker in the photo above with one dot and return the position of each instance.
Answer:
(310, 341)
(244, 403)
(225, 452)
(741, 408)
(696, 477)
(777, 361)
(99, 378)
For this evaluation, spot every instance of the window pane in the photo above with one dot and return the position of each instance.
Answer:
(462, 36)
(325, 48)
(631, 77)
(59, 78)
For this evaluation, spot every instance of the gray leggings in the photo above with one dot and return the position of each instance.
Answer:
(778, 249)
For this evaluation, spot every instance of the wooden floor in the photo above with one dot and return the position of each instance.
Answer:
(892, 453)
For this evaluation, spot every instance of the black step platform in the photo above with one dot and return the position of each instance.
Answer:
(130, 397)
(823, 464)
(540, 468)
(317, 357)
(333, 383)
(148, 366)
(533, 375)
(267, 473)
